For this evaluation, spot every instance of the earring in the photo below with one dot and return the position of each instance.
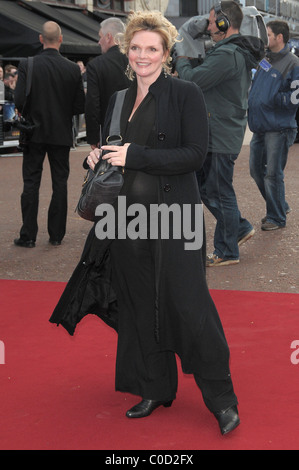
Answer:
(129, 72)
(164, 70)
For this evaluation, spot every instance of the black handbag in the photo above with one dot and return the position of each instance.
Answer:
(103, 184)
(24, 122)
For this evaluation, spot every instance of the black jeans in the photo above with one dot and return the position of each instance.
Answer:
(33, 160)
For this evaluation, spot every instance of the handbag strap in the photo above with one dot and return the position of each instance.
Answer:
(114, 130)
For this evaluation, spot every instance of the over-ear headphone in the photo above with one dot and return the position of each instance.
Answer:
(222, 22)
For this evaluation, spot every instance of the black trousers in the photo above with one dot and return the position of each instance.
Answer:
(142, 368)
(33, 160)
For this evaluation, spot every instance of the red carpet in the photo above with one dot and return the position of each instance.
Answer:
(57, 391)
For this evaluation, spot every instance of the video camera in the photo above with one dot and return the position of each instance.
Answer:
(195, 41)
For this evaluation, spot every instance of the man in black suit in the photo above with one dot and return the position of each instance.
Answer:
(105, 76)
(56, 96)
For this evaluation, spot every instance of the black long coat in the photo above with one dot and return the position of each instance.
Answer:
(183, 299)
(56, 96)
(105, 75)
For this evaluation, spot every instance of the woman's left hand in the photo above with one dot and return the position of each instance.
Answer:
(118, 154)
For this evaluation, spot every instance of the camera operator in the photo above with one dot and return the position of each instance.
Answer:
(225, 78)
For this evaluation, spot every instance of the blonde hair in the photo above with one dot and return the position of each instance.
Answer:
(149, 21)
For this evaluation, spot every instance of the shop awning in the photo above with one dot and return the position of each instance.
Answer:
(74, 18)
(20, 28)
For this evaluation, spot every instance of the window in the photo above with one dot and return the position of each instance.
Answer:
(188, 8)
(110, 4)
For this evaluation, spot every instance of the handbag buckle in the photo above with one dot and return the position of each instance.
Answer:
(114, 139)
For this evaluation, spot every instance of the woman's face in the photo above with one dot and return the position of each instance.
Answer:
(146, 54)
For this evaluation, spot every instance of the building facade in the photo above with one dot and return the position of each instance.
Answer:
(287, 10)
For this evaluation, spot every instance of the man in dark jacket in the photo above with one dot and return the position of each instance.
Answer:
(273, 103)
(56, 96)
(105, 76)
(225, 78)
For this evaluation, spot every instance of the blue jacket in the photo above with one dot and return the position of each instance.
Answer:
(273, 99)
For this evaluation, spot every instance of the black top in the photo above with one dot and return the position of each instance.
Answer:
(141, 187)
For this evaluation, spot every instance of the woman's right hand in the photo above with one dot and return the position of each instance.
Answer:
(93, 158)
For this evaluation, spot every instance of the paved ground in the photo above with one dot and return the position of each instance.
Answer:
(269, 261)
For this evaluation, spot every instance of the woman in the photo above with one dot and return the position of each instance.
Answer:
(155, 293)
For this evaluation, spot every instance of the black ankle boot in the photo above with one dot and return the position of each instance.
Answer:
(145, 408)
(228, 419)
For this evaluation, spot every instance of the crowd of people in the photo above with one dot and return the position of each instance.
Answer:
(9, 75)
(229, 113)
(182, 133)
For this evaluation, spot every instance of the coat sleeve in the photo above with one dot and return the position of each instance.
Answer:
(217, 67)
(186, 157)
(20, 90)
(79, 99)
(92, 105)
